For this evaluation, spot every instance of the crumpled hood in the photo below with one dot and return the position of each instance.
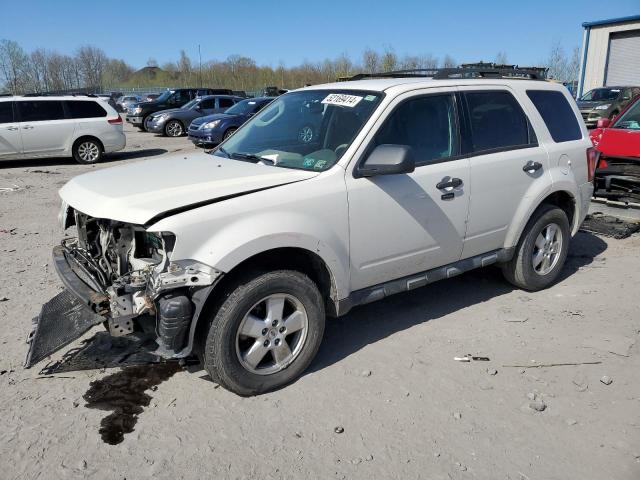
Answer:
(618, 142)
(138, 192)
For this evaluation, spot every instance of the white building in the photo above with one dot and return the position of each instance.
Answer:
(610, 53)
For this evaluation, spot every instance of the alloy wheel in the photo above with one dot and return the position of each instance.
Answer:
(88, 152)
(272, 334)
(546, 251)
(174, 129)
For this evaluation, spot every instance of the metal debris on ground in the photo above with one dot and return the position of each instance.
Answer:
(541, 365)
(338, 429)
(607, 380)
(609, 226)
(468, 357)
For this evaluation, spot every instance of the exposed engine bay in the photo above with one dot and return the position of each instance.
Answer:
(124, 275)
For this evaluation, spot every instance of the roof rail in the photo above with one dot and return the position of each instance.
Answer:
(537, 73)
(53, 94)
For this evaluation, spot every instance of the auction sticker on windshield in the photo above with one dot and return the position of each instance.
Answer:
(342, 100)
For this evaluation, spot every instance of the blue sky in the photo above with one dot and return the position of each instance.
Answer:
(294, 31)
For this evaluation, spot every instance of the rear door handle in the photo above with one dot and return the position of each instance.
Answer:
(451, 183)
(27, 127)
(532, 166)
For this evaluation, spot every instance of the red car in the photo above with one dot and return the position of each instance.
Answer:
(617, 175)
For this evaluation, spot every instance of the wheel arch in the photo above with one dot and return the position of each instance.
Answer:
(86, 137)
(562, 198)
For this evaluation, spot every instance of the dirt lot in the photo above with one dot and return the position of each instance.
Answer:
(386, 375)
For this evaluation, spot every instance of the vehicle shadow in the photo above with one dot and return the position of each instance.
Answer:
(374, 322)
(108, 158)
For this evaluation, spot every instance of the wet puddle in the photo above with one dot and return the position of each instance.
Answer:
(124, 393)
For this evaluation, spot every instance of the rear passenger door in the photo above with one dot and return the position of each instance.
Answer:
(505, 160)
(10, 139)
(208, 106)
(45, 129)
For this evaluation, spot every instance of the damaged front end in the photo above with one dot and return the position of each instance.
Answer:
(618, 179)
(121, 275)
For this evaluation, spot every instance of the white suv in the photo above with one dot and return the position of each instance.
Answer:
(237, 256)
(82, 127)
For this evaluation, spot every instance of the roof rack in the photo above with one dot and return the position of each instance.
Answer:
(532, 73)
(52, 94)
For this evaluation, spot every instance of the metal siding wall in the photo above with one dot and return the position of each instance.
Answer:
(597, 53)
(623, 63)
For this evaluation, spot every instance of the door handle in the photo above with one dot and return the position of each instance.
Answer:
(12, 128)
(27, 127)
(532, 166)
(451, 183)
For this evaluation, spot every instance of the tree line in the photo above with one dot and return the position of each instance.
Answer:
(89, 68)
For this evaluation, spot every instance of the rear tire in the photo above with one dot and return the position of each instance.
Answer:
(174, 128)
(265, 333)
(87, 151)
(541, 251)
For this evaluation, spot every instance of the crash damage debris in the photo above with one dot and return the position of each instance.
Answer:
(123, 393)
(609, 226)
(104, 351)
(62, 320)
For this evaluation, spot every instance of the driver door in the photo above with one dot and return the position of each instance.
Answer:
(404, 224)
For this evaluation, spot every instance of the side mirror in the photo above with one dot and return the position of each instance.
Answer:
(388, 159)
(603, 123)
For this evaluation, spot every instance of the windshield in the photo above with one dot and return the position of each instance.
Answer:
(630, 119)
(305, 130)
(244, 107)
(191, 104)
(598, 94)
(164, 96)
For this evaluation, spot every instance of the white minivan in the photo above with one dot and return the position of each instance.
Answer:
(82, 127)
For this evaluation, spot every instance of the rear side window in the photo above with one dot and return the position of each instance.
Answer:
(208, 103)
(557, 115)
(225, 102)
(496, 122)
(85, 109)
(40, 110)
(6, 112)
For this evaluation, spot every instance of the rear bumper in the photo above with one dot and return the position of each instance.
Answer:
(115, 143)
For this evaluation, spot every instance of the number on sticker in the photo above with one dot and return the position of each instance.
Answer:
(342, 100)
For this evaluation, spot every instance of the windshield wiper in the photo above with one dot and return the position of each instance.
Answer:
(223, 151)
(250, 157)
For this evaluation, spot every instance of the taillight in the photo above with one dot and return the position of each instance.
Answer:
(592, 162)
(115, 121)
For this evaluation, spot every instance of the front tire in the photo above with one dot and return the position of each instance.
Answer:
(265, 333)
(87, 151)
(541, 251)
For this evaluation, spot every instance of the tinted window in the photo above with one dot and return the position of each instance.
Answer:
(427, 124)
(40, 110)
(85, 109)
(557, 115)
(6, 112)
(496, 121)
(225, 102)
(208, 103)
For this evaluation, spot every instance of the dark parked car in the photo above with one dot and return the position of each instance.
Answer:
(176, 121)
(210, 130)
(137, 113)
(605, 102)
(151, 97)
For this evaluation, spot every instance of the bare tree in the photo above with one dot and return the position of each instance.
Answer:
(501, 58)
(370, 61)
(13, 65)
(449, 62)
(91, 62)
(389, 60)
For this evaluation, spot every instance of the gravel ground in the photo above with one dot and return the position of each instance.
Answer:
(384, 398)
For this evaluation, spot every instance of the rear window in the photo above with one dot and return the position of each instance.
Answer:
(497, 122)
(85, 109)
(557, 114)
(225, 102)
(6, 112)
(40, 110)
